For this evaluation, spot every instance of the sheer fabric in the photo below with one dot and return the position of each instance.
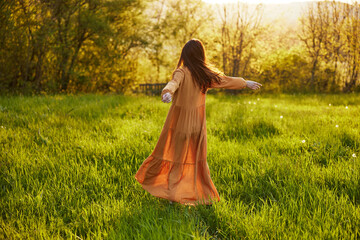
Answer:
(177, 168)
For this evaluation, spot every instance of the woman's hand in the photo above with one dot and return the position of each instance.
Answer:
(253, 85)
(166, 98)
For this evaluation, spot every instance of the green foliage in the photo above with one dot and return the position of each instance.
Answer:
(284, 71)
(170, 25)
(112, 45)
(69, 46)
(67, 168)
(330, 32)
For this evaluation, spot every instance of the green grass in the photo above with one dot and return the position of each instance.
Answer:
(67, 166)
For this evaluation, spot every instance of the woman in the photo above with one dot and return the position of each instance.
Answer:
(177, 169)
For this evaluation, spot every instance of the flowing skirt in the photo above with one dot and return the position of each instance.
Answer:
(177, 169)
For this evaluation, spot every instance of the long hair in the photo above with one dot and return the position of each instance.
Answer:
(194, 58)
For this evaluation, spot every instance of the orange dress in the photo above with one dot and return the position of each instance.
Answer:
(177, 169)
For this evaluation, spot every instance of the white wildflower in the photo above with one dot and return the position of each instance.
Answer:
(258, 99)
(354, 155)
(337, 126)
(303, 141)
(346, 107)
(329, 104)
(281, 116)
(249, 102)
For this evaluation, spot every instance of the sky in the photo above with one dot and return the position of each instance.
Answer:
(263, 1)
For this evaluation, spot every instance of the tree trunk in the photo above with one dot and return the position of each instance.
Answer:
(313, 70)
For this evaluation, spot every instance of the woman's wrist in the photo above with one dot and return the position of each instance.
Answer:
(246, 82)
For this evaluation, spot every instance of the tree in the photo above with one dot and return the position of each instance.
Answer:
(46, 44)
(336, 43)
(170, 25)
(315, 30)
(240, 29)
(352, 36)
(330, 31)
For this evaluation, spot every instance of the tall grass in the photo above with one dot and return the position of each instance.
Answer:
(67, 166)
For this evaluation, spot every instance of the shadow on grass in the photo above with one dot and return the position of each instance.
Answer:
(240, 131)
(156, 218)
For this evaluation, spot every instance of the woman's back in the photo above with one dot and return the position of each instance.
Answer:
(188, 94)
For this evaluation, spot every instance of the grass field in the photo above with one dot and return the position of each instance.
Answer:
(285, 166)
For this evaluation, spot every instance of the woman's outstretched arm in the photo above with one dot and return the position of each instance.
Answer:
(168, 91)
(236, 83)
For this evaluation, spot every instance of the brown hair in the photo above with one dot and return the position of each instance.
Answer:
(193, 57)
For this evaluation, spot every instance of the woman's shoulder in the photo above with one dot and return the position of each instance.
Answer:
(181, 70)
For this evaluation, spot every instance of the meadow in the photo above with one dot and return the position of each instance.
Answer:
(285, 166)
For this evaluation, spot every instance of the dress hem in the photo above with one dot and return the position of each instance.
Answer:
(189, 203)
(163, 191)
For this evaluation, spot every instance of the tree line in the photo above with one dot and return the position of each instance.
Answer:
(52, 46)
(331, 34)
